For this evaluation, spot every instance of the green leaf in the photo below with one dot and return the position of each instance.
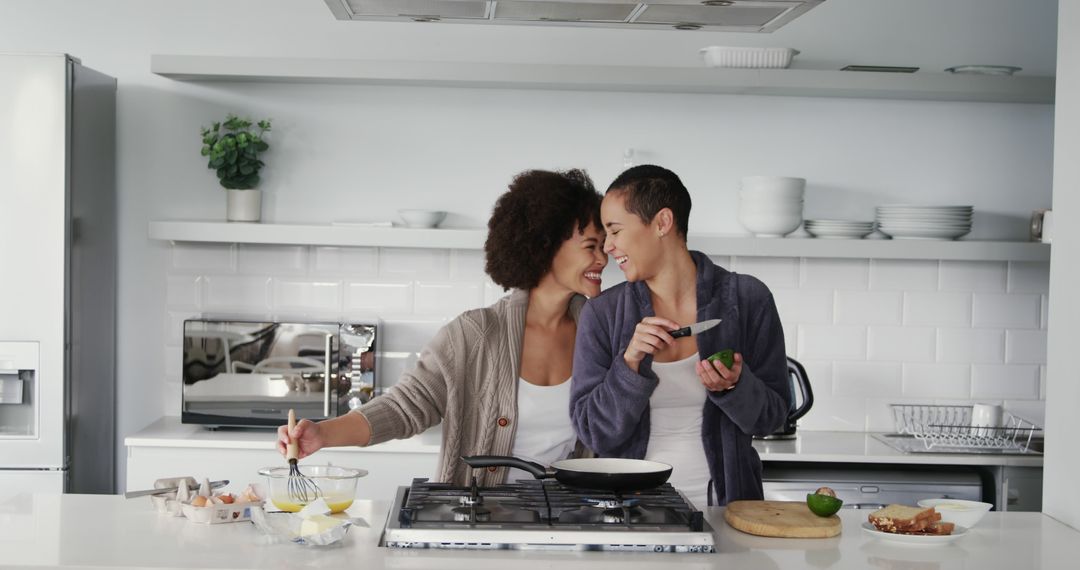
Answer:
(205, 151)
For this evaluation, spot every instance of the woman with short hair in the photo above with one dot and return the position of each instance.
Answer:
(640, 393)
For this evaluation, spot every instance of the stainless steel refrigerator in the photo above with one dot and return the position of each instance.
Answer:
(57, 276)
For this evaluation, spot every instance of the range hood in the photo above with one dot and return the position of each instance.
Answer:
(712, 15)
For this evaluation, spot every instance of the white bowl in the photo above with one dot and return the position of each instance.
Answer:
(422, 218)
(773, 185)
(958, 511)
(770, 225)
(748, 57)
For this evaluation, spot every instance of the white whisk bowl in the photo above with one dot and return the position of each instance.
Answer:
(337, 486)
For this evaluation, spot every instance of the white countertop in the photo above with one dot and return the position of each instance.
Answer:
(169, 432)
(103, 531)
(809, 446)
(860, 447)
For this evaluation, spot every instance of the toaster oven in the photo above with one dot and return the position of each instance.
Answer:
(250, 373)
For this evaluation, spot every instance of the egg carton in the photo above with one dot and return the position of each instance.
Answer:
(224, 513)
(179, 504)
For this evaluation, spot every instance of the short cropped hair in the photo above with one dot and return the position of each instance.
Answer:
(649, 189)
(531, 221)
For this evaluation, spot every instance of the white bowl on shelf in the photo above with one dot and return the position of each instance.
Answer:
(770, 225)
(782, 209)
(958, 511)
(422, 218)
(748, 57)
(774, 186)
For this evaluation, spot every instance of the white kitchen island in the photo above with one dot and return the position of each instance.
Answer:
(101, 531)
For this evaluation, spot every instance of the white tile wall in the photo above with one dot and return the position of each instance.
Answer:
(937, 308)
(869, 307)
(869, 333)
(394, 298)
(902, 344)
(353, 261)
(1025, 347)
(904, 275)
(776, 272)
(1013, 381)
(271, 259)
(970, 345)
(973, 275)
(937, 380)
(300, 295)
(836, 273)
(1006, 310)
(441, 298)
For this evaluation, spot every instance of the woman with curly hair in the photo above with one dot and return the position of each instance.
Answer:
(498, 377)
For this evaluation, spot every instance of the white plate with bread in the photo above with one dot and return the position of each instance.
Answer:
(958, 532)
(912, 525)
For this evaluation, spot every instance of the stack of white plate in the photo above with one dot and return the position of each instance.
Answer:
(771, 206)
(909, 221)
(838, 229)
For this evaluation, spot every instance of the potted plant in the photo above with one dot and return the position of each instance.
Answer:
(232, 148)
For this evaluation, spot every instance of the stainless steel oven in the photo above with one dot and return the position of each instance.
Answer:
(250, 373)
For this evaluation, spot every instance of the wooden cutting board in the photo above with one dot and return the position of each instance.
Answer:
(783, 519)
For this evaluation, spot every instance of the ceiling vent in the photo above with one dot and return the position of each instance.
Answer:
(712, 15)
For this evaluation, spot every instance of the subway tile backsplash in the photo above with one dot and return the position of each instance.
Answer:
(869, 332)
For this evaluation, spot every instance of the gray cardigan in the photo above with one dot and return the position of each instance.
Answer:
(467, 378)
(609, 403)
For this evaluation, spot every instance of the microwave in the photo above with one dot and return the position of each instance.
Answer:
(250, 373)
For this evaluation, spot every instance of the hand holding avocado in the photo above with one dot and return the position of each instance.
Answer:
(720, 371)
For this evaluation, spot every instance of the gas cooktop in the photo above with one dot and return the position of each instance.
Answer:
(544, 514)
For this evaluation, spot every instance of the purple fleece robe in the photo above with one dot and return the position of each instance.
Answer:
(609, 403)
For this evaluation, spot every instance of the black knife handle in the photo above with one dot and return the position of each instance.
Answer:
(679, 333)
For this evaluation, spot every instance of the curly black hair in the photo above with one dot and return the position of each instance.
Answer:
(531, 221)
(649, 189)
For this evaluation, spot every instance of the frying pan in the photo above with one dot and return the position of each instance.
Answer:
(607, 473)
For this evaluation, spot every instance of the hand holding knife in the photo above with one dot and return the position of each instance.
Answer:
(695, 329)
(653, 333)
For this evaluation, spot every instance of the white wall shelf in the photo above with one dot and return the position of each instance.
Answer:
(715, 244)
(790, 82)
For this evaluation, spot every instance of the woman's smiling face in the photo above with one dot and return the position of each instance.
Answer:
(580, 261)
(632, 243)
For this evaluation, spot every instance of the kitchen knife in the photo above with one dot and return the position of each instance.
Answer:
(143, 493)
(695, 329)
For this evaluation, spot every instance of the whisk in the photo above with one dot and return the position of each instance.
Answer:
(301, 488)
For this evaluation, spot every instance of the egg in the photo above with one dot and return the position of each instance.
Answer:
(199, 501)
(227, 499)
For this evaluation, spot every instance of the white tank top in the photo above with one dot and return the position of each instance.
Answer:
(675, 427)
(544, 433)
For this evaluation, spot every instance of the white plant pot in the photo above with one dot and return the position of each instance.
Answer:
(243, 205)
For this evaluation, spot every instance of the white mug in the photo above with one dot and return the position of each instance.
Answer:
(985, 416)
(1048, 227)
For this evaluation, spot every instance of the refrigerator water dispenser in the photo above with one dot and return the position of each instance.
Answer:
(18, 375)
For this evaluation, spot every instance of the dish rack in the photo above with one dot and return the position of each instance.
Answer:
(950, 427)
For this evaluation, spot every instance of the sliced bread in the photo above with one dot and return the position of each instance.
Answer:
(903, 519)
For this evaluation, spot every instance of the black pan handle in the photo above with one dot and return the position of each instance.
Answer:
(537, 470)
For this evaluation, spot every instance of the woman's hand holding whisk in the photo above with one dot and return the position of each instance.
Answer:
(307, 435)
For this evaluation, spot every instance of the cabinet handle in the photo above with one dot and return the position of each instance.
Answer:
(326, 377)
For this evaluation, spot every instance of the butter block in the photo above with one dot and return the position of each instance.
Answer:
(318, 524)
